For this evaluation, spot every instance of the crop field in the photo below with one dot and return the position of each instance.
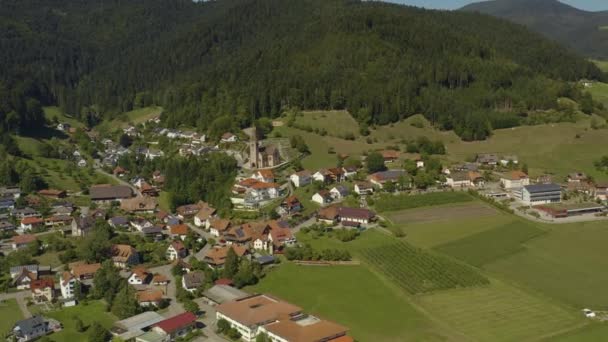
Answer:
(441, 213)
(348, 295)
(568, 263)
(400, 202)
(418, 271)
(490, 245)
(499, 312)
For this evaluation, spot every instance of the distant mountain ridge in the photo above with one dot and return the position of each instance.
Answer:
(584, 31)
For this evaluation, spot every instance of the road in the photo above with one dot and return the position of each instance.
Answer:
(174, 308)
(21, 298)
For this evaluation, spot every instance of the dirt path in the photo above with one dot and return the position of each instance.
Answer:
(21, 298)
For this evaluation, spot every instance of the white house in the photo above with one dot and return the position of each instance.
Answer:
(139, 276)
(264, 191)
(320, 176)
(266, 176)
(82, 163)
(141, 224)
(228, 138)
(176, 250)
(218, 226)
(364, 188)
(152, 154)
(338, 192)
(67, 283)
(505, 160)
(322, 197)
(349, 171)
(514, 180)
(300, 179)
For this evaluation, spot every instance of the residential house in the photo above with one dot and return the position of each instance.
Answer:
(218, 226)
(464, 179)
(322, 176)
(264, 191)
(119, 222)
(67, 284)
(43, 290)
(119, 171)
(301, 178)
(58, 221)
(249, 314)
(148, 190)
(7, 203)
(205, 213)
(349, 171)
(140, 223)
(216, 256)
(82, 271)
(179, 230)
(10, 191)
(124, 256)
(601, 193)
(489, 159)
(24, 213)
(82, 163)
(328, 215)
(82, 226)
(149, 298)
(22, 241)
(187, 211)
(390, 156)
(139, 276)
(176, 250)
(152, 154)
(31, 329)
(139, 205)
(24, 278)
(52, 193)
(242, 234)
(291, 205)
(193, 280)
(339, 192)
(541, 194)
(584, 187)
(6, 226)
(577, 177)
(364, 188)
(159, 280)
(336, 174)
(355, 216)
(104, 194)
(514, 180)
(322, 197)
(31, 223)
(266, 176)
(228, 138)
(379, 179)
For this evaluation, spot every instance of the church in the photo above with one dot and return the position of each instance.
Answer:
(260, 156)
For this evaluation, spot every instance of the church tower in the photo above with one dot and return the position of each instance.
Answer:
(253, 149)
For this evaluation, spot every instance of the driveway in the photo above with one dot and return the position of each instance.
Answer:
(174, 308)
(209, 320)
(21, 298)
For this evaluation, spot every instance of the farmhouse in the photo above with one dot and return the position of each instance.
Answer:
(355, 216)
(514, 179)
(464, 179)
(216, 256)
(52, 193)
(218, 226)
(390, 156)
(103, 194)
(541, 194)
(378, 179)
(301, 178)
(187, 211)
(577, 177)
(489, 159)
(84, 271)
(179, 230)
(149, 298)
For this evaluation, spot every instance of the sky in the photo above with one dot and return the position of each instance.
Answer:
(589, 5)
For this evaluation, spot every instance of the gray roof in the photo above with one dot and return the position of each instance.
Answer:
(85, 223)
(27, 326)
(224, 293)
(29, 268)
(133, 326)
(4, 225)
(542, 187)
(194, 279)
(265, 259)
(119, 221)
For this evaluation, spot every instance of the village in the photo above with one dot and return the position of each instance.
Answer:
(184, 270)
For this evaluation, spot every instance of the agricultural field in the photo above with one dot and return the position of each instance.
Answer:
(567, 264)
(93, 311)
(9, 315)
(419, 271)
(400, 202)
(491, 245)
(348, 294)
(499, 312)
(441, 213)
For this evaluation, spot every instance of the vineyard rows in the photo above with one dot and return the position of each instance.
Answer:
(419, 271)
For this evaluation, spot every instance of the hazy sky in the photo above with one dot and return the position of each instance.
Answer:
(590, 5)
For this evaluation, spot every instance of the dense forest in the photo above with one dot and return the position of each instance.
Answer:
(248, 59)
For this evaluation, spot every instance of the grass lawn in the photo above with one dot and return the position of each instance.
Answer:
(49, 258)
(590, 333)
(137, 116)
(304, 194)
(568, 264)
(493, 244)
(352, 296)
(9, 314)
(430, 234)
(163, 201)
(499, 312)
(336, 123)
(93, 312)
(603, 65)
(55, 112)
(599, 90)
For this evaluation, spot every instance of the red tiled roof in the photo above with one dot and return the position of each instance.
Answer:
(224, 281)
(178, 245)
(179, 229)
(41, 284)
(176, 322)
(25, 238)
(266, 173)
(32, 220)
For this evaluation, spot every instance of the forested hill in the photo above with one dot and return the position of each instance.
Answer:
(586, 32)
(252, 58)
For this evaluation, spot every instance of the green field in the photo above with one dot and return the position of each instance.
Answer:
(355, 297)
(399, 202)
(336, 123)
(567, 264)
(55, 112)
(419, 271)
(9, 315)
(92, 312)
(304, 194)
(603, 65)
(499, 313)
(490, 245)
(591, 333)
